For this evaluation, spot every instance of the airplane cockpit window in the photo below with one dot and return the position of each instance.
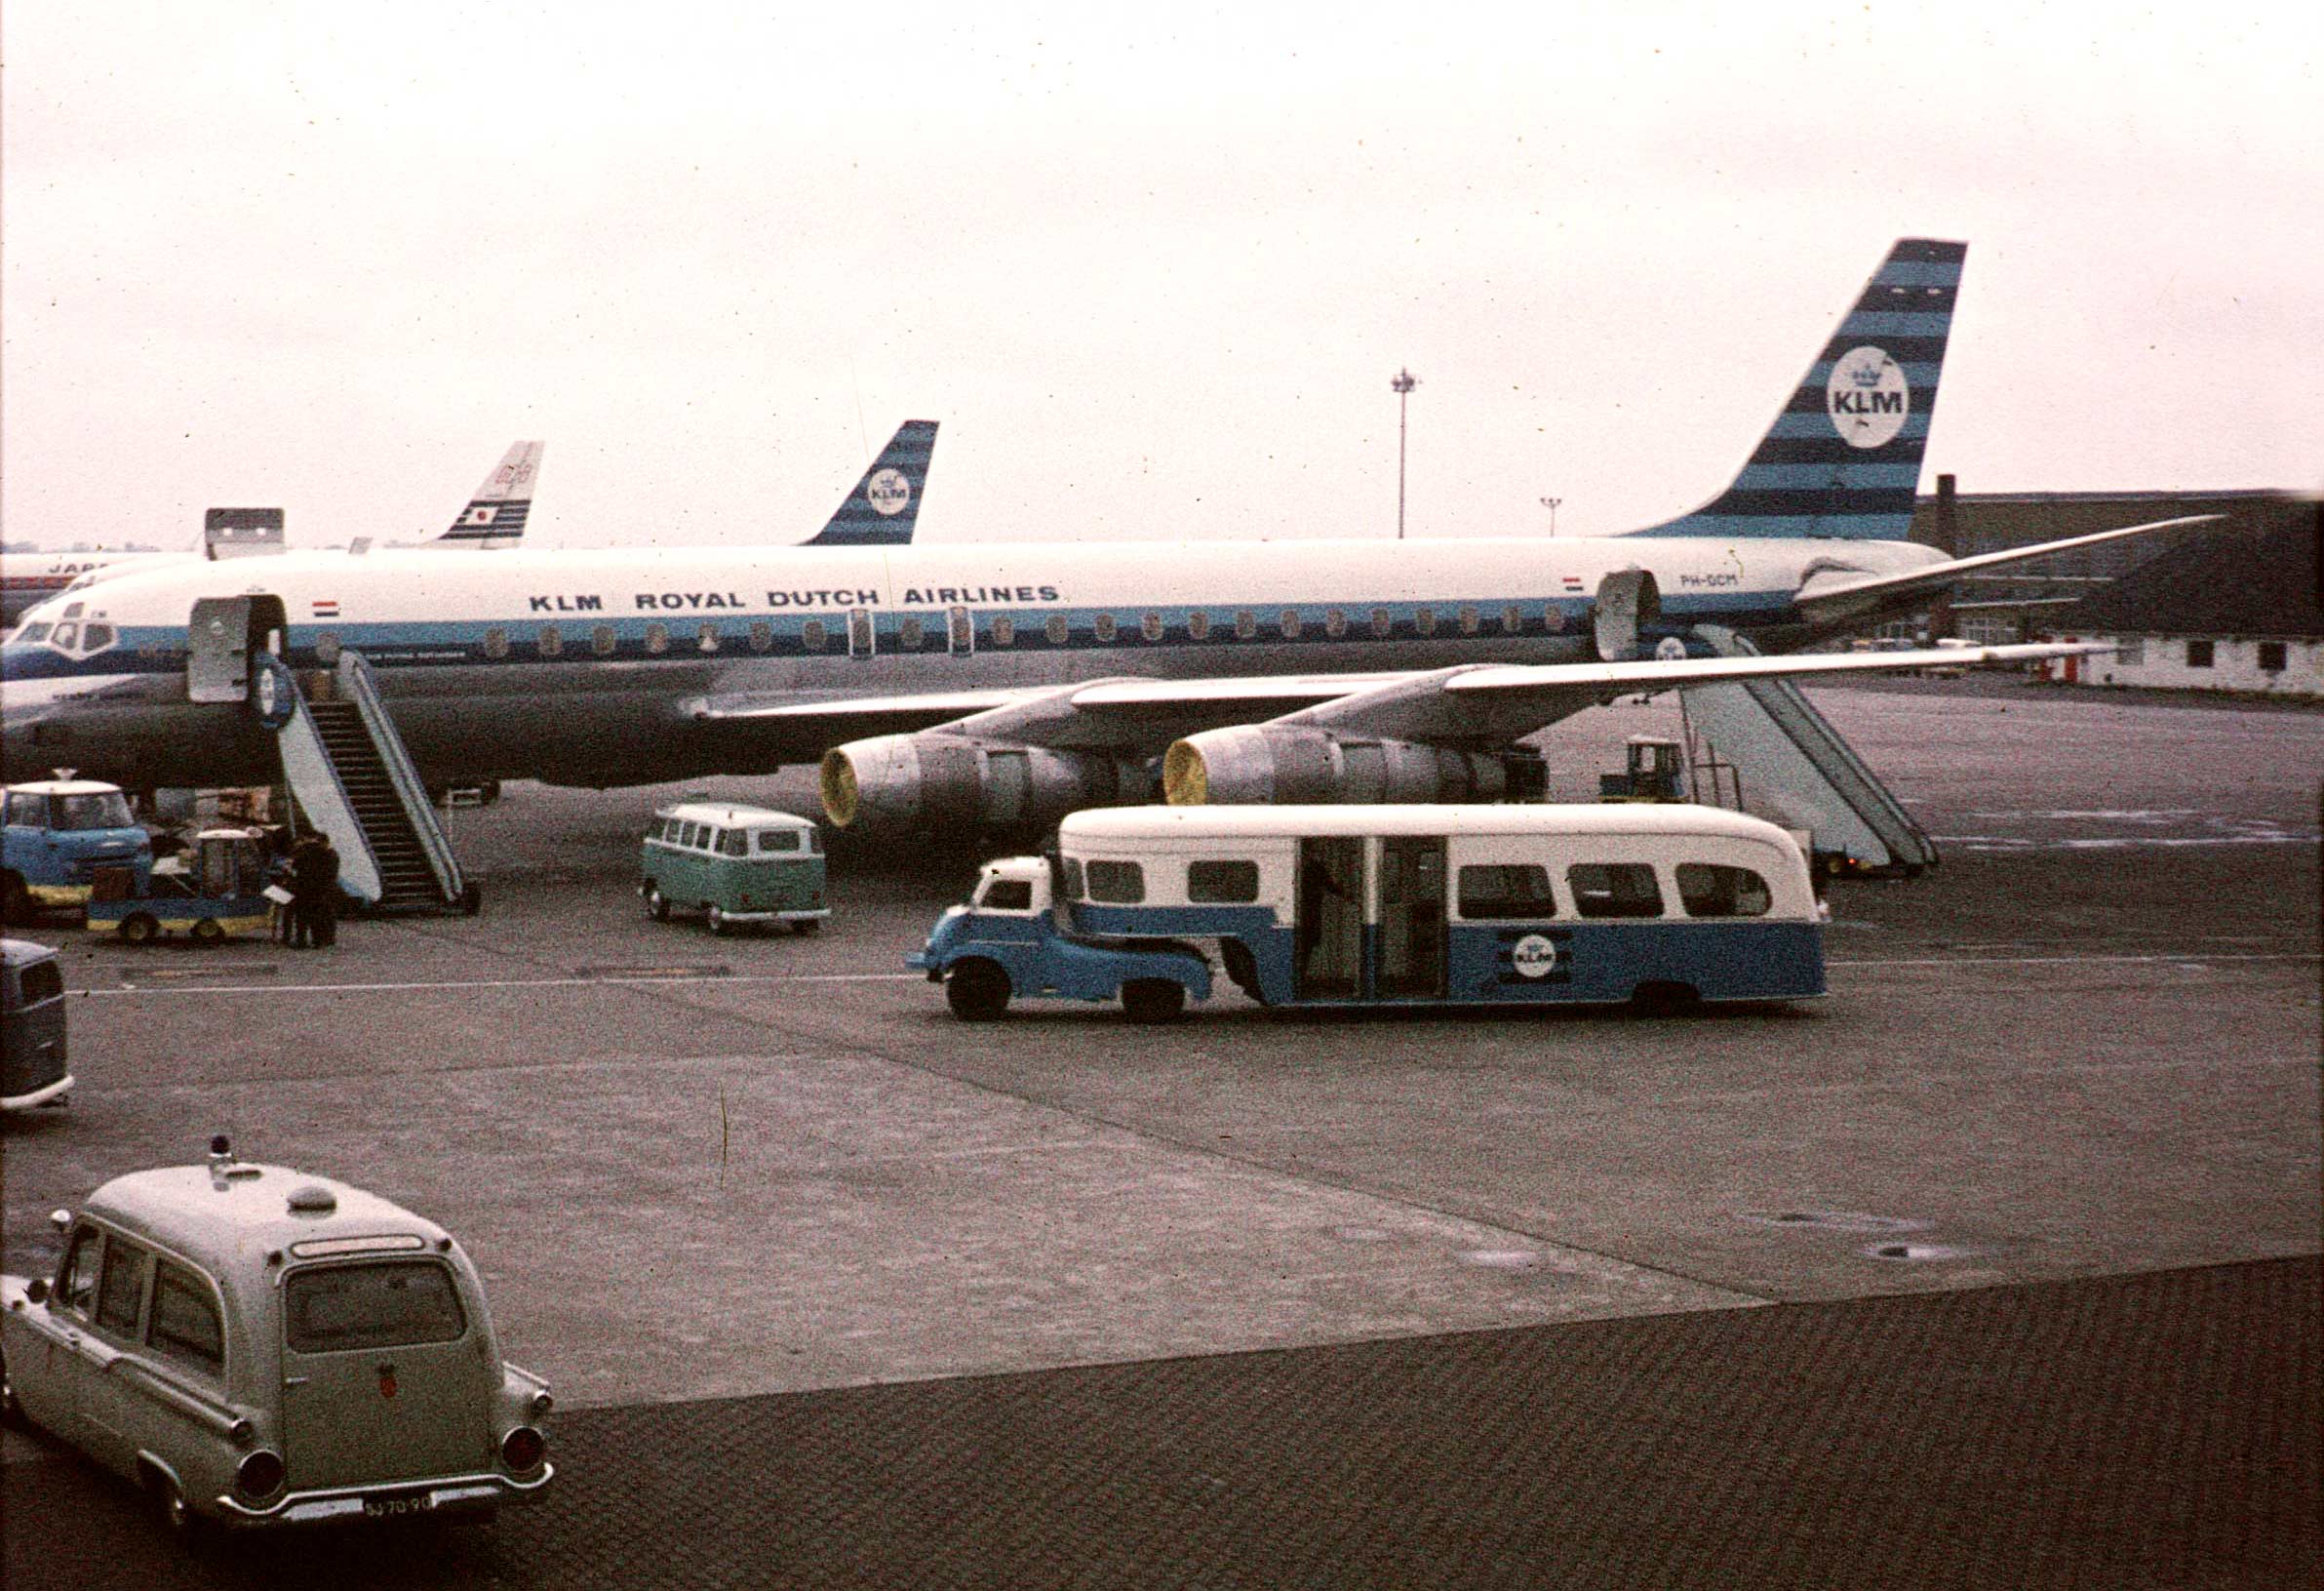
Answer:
(66, 638)
(96, 638)
(33, 631)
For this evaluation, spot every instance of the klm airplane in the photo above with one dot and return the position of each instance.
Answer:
(1008, 683)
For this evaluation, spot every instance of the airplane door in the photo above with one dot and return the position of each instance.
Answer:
(221, 638)
(960, 632)
(862, 639)
(1410, 948)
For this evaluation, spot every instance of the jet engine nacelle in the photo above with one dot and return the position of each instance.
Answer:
(934, 780)
(1253, 764)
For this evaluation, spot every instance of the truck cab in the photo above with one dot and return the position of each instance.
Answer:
(67, 839)
(1007, 941)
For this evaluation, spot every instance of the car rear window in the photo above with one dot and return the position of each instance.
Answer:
(384, 1305)
(41, 980)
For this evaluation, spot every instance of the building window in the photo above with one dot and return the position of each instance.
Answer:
(812, 636)
(2198, 654)
(1198, 625)
(1059, 629)
(2272, 657)
(1004, 632)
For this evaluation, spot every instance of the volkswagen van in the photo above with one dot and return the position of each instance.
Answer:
(257, 1346)
(737, 865)
(65, 838)
(33, 1058)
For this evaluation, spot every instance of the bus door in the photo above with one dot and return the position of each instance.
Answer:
(1327, 940)
(1410, 948)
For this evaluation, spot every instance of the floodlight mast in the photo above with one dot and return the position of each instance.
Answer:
(1401, 384)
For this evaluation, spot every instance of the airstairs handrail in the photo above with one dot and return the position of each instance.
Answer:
(358, 684)
(315, 786)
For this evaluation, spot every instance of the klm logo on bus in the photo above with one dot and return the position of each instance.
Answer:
(1867, 397)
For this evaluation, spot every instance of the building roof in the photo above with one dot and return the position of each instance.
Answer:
(2252, 578)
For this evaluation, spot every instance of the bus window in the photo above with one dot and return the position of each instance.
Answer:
(778, 839)
(1616, 889)
(735, 842)
(1222, 882)
(1500, 889)
(1713, 890)
(1117, 882)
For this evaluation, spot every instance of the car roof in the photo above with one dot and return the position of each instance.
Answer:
(197, 1210)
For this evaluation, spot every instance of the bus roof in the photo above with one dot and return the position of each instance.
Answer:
(1124, 823)
(729, 815)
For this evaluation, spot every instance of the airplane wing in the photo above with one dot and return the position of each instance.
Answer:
(1836, 597)
(1467, 704)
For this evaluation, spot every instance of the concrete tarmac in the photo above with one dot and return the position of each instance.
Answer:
(775, 1169)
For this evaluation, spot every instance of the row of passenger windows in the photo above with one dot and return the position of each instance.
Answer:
(914, 633)
(105, 1281)
(1485, 890)
(726, 841)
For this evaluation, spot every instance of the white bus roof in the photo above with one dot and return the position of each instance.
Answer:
(1131, 823)
(65, 787)
(728, 814)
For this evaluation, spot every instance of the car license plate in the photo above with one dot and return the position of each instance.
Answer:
(399, 1505)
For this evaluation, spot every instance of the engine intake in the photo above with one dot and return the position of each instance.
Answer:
(892, 783)
(1256, 764)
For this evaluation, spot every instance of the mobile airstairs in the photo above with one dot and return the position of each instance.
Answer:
(1797, 763)
(350, 773)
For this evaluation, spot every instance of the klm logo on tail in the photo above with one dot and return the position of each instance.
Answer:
(885, 505)
(1843, 459)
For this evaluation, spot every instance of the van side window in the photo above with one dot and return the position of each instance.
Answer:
(186, 1324)
(709, 837)
(1230, 882)
(122, 1292)
(1117, 882)
(79, 1275)
(778, 839)
(735, 842)
(27, 809)
(1614, 889)
(1489, 890)
(1713, 890)
(685, 834)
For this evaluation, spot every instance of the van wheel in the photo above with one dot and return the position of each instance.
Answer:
(657, 904)
(138, 928)
(977, 991)
(1151, 1000)
(717, 920)
(16, 902)
(206, 932)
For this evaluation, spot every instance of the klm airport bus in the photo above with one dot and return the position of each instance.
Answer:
(1349, 905)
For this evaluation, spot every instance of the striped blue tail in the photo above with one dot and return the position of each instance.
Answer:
(886, 504)
(1843, 459)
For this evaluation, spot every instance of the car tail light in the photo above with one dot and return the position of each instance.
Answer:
(523, 1449)
(260, 1475)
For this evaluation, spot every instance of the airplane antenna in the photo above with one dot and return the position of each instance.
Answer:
(1401, 384)
(1551, 503)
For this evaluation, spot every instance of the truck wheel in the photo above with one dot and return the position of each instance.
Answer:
(138, 928)
(1152, 999)
(657, 904)
(207, 930)
(977, 991)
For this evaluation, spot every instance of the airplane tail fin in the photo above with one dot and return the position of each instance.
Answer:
(885, 503)
(1844, 458)
(496, 515)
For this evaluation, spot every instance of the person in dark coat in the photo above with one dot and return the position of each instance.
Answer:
(315, 886)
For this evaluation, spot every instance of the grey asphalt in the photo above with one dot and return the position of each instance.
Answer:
(1996, 1267)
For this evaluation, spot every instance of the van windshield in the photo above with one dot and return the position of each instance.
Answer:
(381, 1305)
(100, 809)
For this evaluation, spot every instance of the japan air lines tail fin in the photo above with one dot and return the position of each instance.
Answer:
(885, 505)
(494, 517)
(1844, 458)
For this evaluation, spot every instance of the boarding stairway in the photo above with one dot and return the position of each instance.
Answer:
(347, 769)
(1799, 764)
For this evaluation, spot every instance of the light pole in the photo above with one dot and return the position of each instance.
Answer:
(1551, 503)
(1401, 384)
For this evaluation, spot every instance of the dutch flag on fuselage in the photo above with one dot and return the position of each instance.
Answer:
(1843, 459)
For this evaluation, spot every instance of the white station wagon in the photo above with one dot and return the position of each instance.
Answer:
(257, 1346)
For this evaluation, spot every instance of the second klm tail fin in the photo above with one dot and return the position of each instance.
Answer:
(496, 515)
(1843, 459)
(886, 504)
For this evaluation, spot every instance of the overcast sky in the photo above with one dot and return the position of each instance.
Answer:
(1154, 278)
